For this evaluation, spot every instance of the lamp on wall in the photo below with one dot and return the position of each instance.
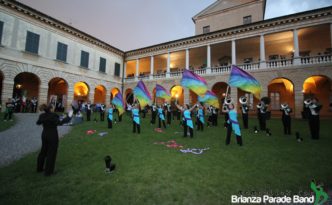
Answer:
(18, 86)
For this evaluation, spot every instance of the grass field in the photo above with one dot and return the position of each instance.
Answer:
(5, 125)
(154, 174)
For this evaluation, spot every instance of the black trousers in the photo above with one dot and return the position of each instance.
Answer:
(135, 125)
(262, 121)
(286, 122)
(9, 115)
(120, 118)
(159, 124)
(88, 115)
(102, 116)
(314, 125)
(214, 119)
(245, 120)
(109, 122)
(200, 125)
(229, 133)
(47, 153)
(185, 130)
(153, 117)
(169, 117)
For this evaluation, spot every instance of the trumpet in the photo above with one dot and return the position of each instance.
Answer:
(243, 100)
(259, 105)
(308, 102)
(228, 101)
(284, 106)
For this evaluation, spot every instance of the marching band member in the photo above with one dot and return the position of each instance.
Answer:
(262, 113)
(286, 118)
(314, 124)
(188, 123)
(153, 113)
(161, 116)
(88, 111)
(136, 120)
(244, 110)
(232, 122)
(168, 113)
(102, 112)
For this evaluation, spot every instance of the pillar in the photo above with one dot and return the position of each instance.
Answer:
(125, 70)
(137, 69)
(297, 60)
(168, 65)
(186, 95)
(42, 95)
(233, 94)
(70, 97)
(299, 98)
(108, 98)
(151, 67)
(7, 92)
(233, 52)
(262, 63)
(208, 68)
(187, 58)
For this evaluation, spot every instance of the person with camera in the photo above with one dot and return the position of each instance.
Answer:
(286, 118)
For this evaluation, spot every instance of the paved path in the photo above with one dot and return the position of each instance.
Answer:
(22, 138)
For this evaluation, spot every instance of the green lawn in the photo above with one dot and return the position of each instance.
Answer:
(154, 174)
(5, 125)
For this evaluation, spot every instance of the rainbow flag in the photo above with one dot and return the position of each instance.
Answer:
(161, 92)
(243, 80)
(118, 102)
(142, 94)
(194, 82)
(210, 98)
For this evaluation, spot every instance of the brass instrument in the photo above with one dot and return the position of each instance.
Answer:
(243, 100)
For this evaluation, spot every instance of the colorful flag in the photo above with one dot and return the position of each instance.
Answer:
(194, 82)
(118, 102)
(161, 92)
(210, 98)
(243, 80)
(142, 94)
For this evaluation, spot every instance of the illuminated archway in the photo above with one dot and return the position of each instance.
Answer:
(219, 89)
(319, 87)
(26, 84)
(177, 93)
(81, 91)
(280, 90)
(100, 95)
(129, 96)
(57, 91)
(114, 91)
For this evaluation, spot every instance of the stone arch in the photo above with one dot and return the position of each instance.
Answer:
(319, 86)
(57, 92)
(177, 93)
(100, 95)
(129, 96)
(114, 91)
(81, 91)
(280, 90)
(26, 86)
(220, 88)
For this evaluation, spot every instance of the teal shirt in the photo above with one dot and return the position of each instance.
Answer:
(187, 117)
(110, 114)
(160, 113)
(135, 113)
(201, 115)
(235, 124)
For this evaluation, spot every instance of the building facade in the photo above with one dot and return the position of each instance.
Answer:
(290, 56)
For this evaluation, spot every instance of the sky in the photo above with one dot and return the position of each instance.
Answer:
(132, 24)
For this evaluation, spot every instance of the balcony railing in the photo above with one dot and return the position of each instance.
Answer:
(142, 77)
(271, 64)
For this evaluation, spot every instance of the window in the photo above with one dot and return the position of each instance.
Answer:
(275, 101)
(102, 65)
(117, 69)
(32, 42)
(246, 19)
(84, 59)
(62, 52)
(1, 29)
(206, 29)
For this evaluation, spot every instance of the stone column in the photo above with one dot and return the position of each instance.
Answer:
(331, 34)
(7, 92)
(137, 69)
(208, 68)
(233, 52)
(70, 98)
(297, 60)
(233, 94)
(187, 58)
(186, 96)
(151, 67)
(42, 95)
(168, 65)
(125, 70)
(108, 98)
(262, 63)
(299, 98)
